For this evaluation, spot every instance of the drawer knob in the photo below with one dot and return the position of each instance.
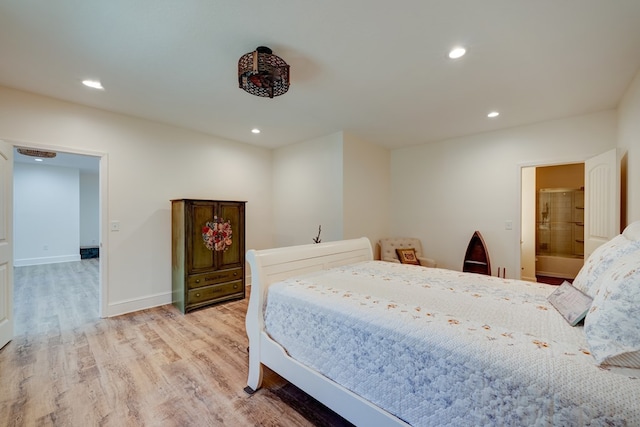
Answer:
(235, 274)
(197, 280)
(197, 295)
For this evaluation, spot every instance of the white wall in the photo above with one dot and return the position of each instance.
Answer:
(442, 192)
(89, 209)
(148, 165)
(308, 191)
(337, 181)
(439, 192)
(629, 139)
(367, 189)
(46, 214)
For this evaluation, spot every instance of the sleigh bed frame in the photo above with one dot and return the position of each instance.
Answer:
(272, 265)
(434, 329)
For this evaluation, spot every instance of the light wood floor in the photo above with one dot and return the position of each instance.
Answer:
(157, 367)
(51, 298)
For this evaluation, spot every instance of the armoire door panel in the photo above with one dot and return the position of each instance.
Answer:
(233, 255)
(202, 257)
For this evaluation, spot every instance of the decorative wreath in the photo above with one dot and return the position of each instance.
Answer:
(217, 234)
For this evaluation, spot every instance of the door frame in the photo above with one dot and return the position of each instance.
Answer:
(103, 211)
(7, 329)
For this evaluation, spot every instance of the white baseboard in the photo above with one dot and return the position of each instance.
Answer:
(137, 304)
(45, 260)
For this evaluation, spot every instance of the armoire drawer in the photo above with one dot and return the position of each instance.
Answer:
(214, 277)
(211, 293)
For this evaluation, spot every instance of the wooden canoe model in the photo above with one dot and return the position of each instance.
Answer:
(476, 259)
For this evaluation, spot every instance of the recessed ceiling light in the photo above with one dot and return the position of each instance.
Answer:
(94, 84)
(255, 130)
(493, 114)
(38, 160)
(457, 52)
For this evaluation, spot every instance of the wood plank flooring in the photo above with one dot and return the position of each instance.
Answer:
(156, 367)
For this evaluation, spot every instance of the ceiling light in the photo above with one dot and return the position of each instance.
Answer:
(94, 84)
(38, 160)
(493, 114)
(261, 73)
(37, 153)
(457, 52)
(255, 130)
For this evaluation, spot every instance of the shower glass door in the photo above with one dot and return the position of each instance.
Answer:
(559, 222)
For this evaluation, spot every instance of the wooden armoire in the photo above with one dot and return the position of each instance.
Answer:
(207, 252)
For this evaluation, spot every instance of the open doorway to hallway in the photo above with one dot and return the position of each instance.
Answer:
(56, 234)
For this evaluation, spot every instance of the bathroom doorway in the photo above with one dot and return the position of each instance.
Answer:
(552, 241)
(588, 204)
(559, 215)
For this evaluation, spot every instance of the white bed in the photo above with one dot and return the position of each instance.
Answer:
(390, 344)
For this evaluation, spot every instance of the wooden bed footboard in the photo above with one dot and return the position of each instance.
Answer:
(272, 265)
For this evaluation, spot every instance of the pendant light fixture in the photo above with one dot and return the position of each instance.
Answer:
(261, 73)
(37, 153)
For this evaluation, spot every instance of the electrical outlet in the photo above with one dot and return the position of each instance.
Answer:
(115, 225)
(508, 225)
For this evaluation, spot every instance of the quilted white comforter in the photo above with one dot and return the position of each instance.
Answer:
(438, 347)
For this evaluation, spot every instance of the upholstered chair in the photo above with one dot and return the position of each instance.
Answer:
(389, 245)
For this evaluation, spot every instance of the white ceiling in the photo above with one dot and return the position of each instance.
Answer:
(375, 68)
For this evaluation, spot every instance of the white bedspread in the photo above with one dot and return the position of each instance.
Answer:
(437, 347)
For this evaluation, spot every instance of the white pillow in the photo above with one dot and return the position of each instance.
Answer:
(600, 260)
(612, 326)
(632, 231)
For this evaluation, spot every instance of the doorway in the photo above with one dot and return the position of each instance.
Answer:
(74, 251)
(555, 222)
(601, 204)
(559, 222)
(552, 222)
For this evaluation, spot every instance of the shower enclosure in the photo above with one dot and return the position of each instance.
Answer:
(559, 232)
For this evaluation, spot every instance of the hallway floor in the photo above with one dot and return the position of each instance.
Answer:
(52, 297)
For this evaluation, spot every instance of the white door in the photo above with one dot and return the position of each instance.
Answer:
(601, 199)
(6, 243)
